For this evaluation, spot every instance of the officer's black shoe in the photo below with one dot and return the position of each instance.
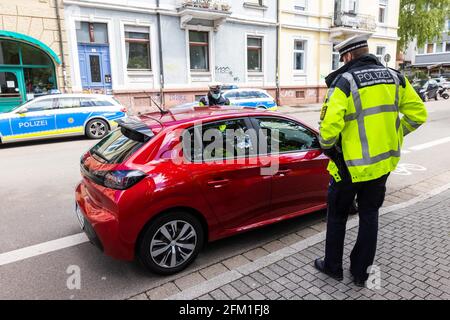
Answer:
(319, 264)
(359, 283)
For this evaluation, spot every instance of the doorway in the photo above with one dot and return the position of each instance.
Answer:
(95, 67)
(12, 88)
(94, 57)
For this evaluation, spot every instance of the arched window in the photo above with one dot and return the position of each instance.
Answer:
(32, 69)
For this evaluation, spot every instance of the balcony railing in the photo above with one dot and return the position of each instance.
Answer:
(215, 5)
(216, 11)
(355, 21)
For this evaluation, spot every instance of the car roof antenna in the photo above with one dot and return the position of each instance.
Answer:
(161, 110)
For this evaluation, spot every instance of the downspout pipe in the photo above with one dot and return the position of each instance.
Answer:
(161, 61)
(61, 46)
(277, 75)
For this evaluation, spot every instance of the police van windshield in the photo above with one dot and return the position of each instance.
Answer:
(19, 106)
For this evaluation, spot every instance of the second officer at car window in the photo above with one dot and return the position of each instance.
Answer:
(214, 97)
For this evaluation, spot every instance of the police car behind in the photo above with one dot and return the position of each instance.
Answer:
(254, 98)
(61, 115)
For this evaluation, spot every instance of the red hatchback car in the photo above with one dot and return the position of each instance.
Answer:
(153, 189)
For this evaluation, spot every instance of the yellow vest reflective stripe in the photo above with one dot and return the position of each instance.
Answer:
(360, 115)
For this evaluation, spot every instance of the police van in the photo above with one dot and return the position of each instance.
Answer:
(61, 115)
(252, 98)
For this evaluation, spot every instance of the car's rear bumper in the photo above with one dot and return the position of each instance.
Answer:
(102, 227)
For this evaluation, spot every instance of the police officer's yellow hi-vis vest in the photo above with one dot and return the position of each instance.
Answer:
(362, 111)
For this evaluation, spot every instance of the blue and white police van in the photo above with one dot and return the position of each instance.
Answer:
(61, 115)
(253, 98)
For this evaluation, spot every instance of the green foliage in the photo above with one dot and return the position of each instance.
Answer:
(421, 75)
(423, 20)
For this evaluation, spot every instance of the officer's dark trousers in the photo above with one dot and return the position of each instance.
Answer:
(341, 195)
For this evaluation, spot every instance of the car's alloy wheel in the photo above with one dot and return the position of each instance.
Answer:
(170, 243)
(173, 244)
(96, 129)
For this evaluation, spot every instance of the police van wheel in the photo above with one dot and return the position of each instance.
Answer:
(97, 129)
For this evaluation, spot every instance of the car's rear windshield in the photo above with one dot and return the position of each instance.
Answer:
(119, 145)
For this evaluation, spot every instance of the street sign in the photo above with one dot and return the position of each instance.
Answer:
(387, 57)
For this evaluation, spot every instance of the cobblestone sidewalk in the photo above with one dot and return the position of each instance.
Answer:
(413, 256)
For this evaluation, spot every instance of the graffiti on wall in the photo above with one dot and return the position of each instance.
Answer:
(226, 74)
(299, 94)
(287, 94)
(311, 93)
(176, 98)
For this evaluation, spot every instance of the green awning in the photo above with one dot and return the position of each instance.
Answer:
(30, 40)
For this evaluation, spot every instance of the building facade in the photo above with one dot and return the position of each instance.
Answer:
(33, 51)
(170, 50)
(433, 57)
(310, 29)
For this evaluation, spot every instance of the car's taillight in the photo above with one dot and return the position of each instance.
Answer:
(85, 156)
(122, 179)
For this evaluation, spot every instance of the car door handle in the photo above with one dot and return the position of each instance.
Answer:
(218, 183)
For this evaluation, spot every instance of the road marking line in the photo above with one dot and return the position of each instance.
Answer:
(430, 144)
(42, 248)
(235, 274)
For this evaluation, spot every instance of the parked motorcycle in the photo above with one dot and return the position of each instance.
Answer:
(427, 89)
(443, 93)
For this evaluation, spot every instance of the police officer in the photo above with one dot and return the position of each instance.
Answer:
(214, 97)
(362, 131)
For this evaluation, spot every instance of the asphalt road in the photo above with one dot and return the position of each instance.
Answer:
(37, 180)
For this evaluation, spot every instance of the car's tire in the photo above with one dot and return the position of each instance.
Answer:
(445, 96)
(158, 243)
(261, 107)
(96, 129)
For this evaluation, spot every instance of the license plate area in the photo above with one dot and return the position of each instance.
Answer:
(80, 216)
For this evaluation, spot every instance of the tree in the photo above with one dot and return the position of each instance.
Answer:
(423, 20)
